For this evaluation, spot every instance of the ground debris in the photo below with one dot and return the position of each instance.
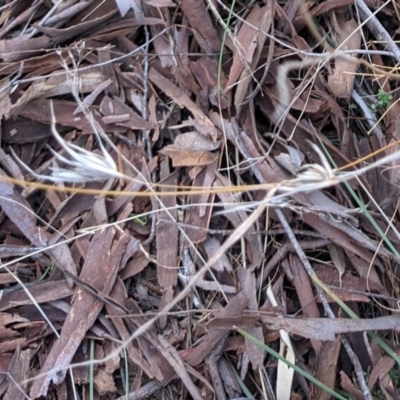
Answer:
(176, 193)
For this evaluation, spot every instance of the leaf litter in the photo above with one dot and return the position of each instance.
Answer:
(160, 171)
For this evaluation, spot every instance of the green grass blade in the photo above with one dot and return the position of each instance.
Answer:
(245, 389)
(378, 229)
(295, 367)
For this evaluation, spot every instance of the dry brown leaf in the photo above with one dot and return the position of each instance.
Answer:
(338, 259)
(185, 158)
(326, 369)
(56, 35)
(198, 217)
(195, 355)
(291, 161)
(319, 9)
(201, 122)
(5, 101)
(301, 282)
(119, 295)
(100, 271)
(103, 377)
(58, 85)
(167, 241)
(163, 46)
(38, 110)
(19, 369)
(262, 20)
(304, 103)
(42, 292)
(330, 276)
(193, 141)
(327, 328)
(247, 282)
(348, 385)
(211, 246)
(22, 47)
(381, 369)
(342, 81)
(20, 212)
(254, 251)
(205, 71)
(247, 37)
(115, 107)
(203, 28)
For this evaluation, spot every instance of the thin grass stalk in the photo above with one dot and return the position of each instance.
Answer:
(306, 375)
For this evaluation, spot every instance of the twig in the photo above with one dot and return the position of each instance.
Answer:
(324, 301)
(145, 133)
(376, 27)
(310, 271)
(89, 67)
(46, 17)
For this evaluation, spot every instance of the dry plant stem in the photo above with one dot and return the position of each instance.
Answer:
(307, 266)
(145, 134)
(22, 17)
(324, 301)
(46, 17)
(267, 383)
(376, 27)
(66, 11)
(369, 116)
(304, 260)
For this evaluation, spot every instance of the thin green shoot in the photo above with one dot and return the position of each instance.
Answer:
(46, 272)
(245, 389)
(140, 220)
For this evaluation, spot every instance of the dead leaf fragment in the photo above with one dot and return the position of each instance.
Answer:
(124, 115)
(201, 122)
(349, 37)
(193, 141)
(99, 271)
(185, 158)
